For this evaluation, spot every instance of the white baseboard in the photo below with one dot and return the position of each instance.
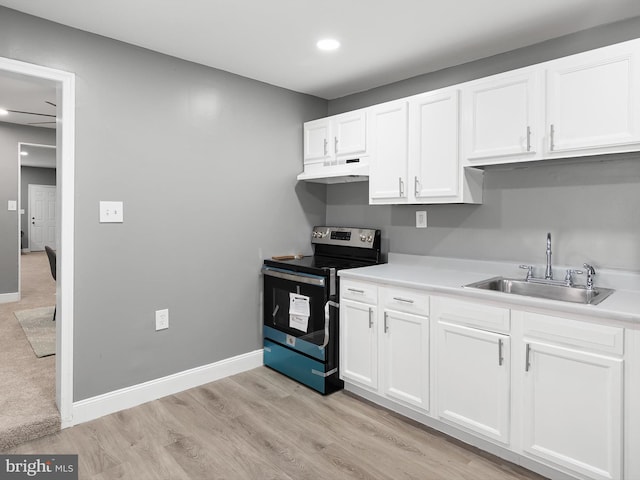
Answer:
(95, 407)
(26, 250)
(9, 297)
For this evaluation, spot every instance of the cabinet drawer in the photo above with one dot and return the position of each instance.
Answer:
(405, 300)
(485, 317)
(358, 291)
(574, 333)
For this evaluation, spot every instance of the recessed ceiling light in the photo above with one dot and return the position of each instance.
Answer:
(3, 112)
(328, 44)
(24, 154)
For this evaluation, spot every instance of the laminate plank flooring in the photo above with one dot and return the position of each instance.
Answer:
(261, 425)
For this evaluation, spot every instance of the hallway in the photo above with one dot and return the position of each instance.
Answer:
(27, 397)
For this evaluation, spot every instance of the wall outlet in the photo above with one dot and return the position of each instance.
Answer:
(421, 219)
(111, 212)
(162, 319)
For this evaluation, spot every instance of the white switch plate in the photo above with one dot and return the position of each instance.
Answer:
(162, 319)
(421, 219)
(111, 212)
(12, 205)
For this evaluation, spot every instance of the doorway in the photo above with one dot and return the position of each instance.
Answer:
(42, 217)
(65, 179)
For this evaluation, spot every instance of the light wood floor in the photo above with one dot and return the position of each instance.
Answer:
(261, 425)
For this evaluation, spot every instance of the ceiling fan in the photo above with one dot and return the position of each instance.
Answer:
(37, 114)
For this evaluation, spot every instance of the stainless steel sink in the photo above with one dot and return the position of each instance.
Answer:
(575, 294)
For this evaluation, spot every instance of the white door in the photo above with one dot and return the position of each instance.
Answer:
(593, 99)
(501, 118)
(472, 379)
(316, 140)
(358, 343)
(573, 409)
(405, 344)
(42, 217)
(349, 134)
(433, 120)
(389, 149)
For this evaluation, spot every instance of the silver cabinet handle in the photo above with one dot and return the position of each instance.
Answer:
(416, 186)
(528, 138)
(404, 300)
(527, 361)
(500, 357)
(552, 134)
(370, 317)
(355, 290)
(386, 327)
(401, 186)
(335, 144)
(325, 147)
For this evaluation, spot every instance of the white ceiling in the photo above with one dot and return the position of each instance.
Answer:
(382, 40)
(19, 93)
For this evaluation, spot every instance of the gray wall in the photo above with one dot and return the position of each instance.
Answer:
(10, 135)
(205, 163)
(32, 176)
(590, 207)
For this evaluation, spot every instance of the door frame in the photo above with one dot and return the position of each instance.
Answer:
(65, 181)
(30, 188)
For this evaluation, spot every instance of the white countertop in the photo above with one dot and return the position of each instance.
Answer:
(448, 275)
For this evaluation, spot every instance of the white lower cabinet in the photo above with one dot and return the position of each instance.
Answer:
(358, 343)
(550, 389)
(472, 368)
(572, 395)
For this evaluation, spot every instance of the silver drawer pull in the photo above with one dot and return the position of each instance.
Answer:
(355, 290)
(500, 357)
(404, 300)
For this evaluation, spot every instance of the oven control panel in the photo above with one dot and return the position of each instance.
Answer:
(346, 236)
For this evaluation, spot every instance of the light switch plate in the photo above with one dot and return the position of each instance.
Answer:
(421, 219)
(12, 205)
(162, 319)
(111, 212)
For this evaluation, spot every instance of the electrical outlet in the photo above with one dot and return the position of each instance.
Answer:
(111, 212)
(421, 219)
(162, 319)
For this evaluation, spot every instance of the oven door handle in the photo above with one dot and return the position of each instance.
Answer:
(294, 277)
(330, 303)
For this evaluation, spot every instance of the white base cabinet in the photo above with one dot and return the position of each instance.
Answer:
(572, 394)
(472, 367)
(555, 393)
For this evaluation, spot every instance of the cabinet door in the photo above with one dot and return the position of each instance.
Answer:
(572, 409)
(472, 379)
(358, 343)
(388, 166)
(316, 140)
(434, 164)
(405, 344)
(349, 134)
(594, 99)
(501, 118)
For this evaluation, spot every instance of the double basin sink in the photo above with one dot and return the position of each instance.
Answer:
(565, 293)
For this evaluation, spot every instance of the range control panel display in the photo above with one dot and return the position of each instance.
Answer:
(345, 236)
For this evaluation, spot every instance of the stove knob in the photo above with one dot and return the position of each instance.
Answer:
(369, 239)
(314, 234)
(363, 238)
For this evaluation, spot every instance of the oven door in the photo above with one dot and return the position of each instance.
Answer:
(288, 297)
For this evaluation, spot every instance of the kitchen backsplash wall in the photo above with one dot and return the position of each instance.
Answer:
(590, 207)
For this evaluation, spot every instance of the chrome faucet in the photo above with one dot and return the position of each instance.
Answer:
(548, 273)
(590, 273)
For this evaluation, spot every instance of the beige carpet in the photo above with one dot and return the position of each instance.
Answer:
(40, 329)
(27, 396)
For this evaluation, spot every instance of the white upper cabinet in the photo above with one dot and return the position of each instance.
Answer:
(502, 118)
(593, 100)
(584, 104)
(389, 148)
(334, 140)
(433, 146)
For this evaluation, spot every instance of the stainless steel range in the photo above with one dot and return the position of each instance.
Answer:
(301, 316)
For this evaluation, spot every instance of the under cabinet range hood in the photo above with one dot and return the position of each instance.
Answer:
(350, 171)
